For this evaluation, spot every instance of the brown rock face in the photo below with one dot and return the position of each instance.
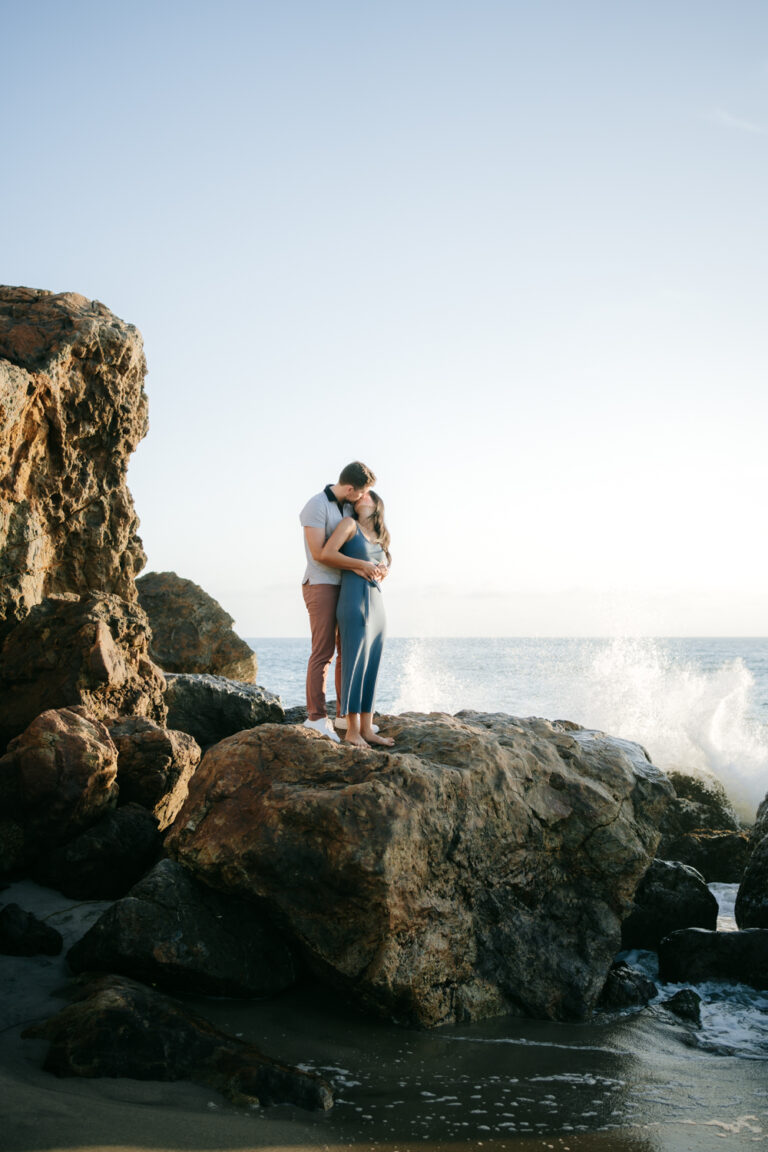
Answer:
(72, 409)
(191, 632)
(154, 766)
(483, 867)
(71, 651)
(56, 779)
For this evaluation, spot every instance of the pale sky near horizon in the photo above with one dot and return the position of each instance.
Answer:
(512, 255)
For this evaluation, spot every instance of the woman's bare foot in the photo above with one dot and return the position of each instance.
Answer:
(385, 741)
(357, 740)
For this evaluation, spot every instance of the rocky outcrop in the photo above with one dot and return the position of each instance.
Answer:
(693, 955)
(154, 766)
(670, 896)
(702, 802)
(721, 857)
(22, 934)
(172, 931)
(56, 779)
(120, 1028)
(210, 708)
(752, 898)
(71, 650)
(483, 867)
(103, 862)
(72, 410)
(191, 632)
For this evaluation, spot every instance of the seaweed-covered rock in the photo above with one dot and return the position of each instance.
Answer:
(119, 1028)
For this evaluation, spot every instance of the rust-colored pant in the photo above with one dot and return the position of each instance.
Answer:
(321, 601)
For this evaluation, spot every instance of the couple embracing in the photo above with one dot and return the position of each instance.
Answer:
(347, 546)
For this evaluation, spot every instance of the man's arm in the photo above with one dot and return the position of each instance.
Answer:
(332, 558)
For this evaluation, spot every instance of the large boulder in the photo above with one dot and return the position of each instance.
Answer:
(670, 896)
(72, 410)
(482, 867)
(71, 650)
(720, 857)
(751, 908)
(693, 955)
(760, 829)
(57, 778)
(173, 931)
(154, 766)
(119, 1028)
(210, 708)
(191, 632)
(105, 860)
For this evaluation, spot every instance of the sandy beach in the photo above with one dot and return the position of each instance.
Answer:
(632, 1085)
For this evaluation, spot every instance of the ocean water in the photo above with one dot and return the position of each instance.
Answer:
(694, 704)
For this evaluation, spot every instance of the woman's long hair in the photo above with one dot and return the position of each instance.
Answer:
(378, 525)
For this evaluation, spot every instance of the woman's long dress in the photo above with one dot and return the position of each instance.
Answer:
(362, 624)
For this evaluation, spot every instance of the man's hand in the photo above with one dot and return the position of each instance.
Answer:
(367, 569)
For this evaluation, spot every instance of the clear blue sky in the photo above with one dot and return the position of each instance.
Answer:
(512, 255)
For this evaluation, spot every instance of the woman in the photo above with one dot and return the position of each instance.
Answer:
(360, 614)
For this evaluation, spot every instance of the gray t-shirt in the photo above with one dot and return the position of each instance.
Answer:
(320, 512)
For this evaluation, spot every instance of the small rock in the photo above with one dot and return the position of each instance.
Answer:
(625, 988)
(670, 896)
(120, 1028)
(210, 708)
(686, 1004)
(173, 931)
(22, 934)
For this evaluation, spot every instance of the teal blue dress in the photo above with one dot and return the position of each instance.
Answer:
(362, 626)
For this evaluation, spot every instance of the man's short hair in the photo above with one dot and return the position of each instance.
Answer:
(357, 474)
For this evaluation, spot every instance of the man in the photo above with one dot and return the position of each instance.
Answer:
(321, 583)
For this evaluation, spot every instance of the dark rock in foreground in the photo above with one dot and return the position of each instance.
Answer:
(211, 708)
(625, 988)
(721, 857)
(57, 778)
(670, 896)
(103, 862)
(154, 766)
(752, 899)
(482, 867)
(693, 955)
(686, 1004)
(191, 632)
(70, 650)
(22, 934)
(120, 1028)
(173, 931)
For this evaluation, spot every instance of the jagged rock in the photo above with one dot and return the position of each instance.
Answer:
(693, 955)
(210, 708)
(154, 766)
(191, 632)
(72, 410)
(752, 898)
(481, 867)
(670, 896)
(22, 934)
(119, 1028)
(103, 862)
(721, 857)
(173, 931)
(625, 988)
(57, 778)
(71, 650)
(686, 1004)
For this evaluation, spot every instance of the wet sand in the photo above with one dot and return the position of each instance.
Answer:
(633, 1085)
